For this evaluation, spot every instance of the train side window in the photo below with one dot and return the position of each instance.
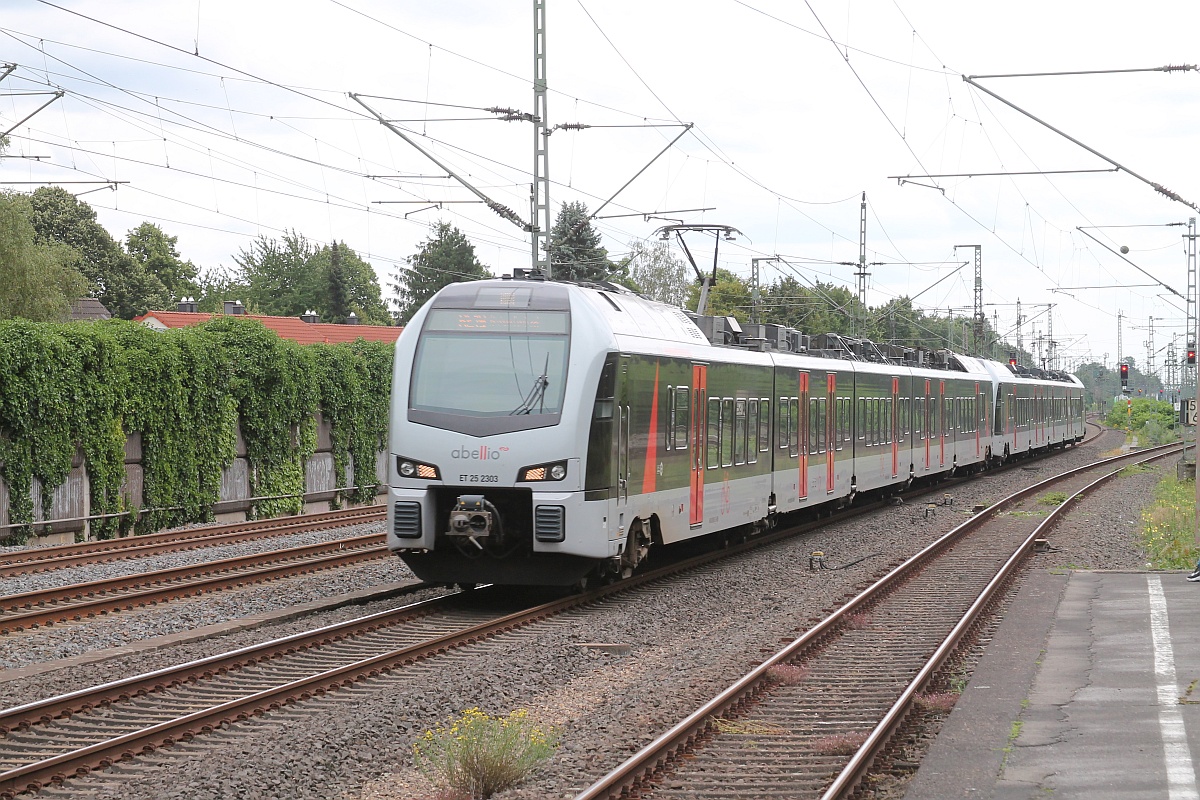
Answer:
(878, 416)
(795, 426)
(918, 418)
(764, 425)
(862, 418)
(814, 443)
(868, 422)
(739, 431)
(823, 425)
(843, 421)
(873, 422)
(670, 437)
(752, 431)
(889, 420)
(784, 423)
(713, 445)
(885, 415)
(680, 411)
(839, 421)
(884, 420)
(727, 428)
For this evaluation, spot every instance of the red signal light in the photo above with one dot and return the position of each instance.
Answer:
(1191, 358)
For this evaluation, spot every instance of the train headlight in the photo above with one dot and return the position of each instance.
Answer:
(416, 469)
(554, 471)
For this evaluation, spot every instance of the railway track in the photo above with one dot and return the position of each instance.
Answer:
(79, 601)
(54, 739)
(41, 559)
(811, 720)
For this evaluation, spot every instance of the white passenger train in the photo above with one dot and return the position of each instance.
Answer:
(550, 433)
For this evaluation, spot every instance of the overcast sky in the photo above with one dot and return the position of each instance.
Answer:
(231, 120)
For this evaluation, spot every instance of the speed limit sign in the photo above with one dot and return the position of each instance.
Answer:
(1187, 411)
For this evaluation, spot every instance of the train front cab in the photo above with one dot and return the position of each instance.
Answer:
(493, 386)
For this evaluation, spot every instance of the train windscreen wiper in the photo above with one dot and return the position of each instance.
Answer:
(537, 394)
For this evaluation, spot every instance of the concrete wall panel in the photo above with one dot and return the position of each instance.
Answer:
(69, 500)
(133, 448)
(318, 474)
(235, 481)
(132, 486)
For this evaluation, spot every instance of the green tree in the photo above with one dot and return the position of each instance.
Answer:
(278, 274)
(658, 273)
(349, 287)
(817, 309)
(446, 257)
(119, 282)
(728, 297)
(37, 281)
(286, 277)
(339, 304)
(218, 284)
(575, 251)
(157, 254)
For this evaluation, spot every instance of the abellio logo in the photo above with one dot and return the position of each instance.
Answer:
(482, 453)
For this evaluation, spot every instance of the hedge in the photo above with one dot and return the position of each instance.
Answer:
(88, 385)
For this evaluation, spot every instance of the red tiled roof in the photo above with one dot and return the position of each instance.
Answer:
(287, 327)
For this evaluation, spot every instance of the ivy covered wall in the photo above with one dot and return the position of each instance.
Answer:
(85, 387)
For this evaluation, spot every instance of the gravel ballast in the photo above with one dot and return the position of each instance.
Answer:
(688, 639)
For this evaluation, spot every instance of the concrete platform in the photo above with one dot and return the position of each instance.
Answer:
(1090, 689)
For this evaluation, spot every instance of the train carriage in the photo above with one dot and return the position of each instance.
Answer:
(547, 433)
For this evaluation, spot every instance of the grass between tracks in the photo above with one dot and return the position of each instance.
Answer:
(1169, 525)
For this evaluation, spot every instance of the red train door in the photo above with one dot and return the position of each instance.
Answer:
(699, 428)
(895, 436)
(1013, 419)
(802, 423)
(1045, 414)
(942, 423)
(928, 423)
(979, 410)
(830, 429)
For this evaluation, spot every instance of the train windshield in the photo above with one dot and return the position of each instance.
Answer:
(491, 362)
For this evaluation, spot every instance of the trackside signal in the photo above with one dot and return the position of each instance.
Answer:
(1124, 376)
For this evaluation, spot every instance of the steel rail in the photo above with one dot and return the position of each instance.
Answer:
(47, 606)
(632, 773)
(37, 559)
(49, 709)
